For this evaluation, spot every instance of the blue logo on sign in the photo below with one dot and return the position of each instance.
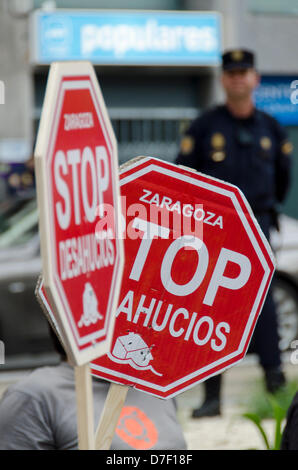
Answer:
(56, 36)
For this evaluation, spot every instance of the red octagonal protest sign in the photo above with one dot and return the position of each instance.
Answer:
(196, 275)
(77, 174)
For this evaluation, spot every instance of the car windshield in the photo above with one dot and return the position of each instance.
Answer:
(18, 222)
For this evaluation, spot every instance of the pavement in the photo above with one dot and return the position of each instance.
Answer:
(230, 431)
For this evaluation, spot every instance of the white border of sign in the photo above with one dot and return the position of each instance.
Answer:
(45, 140)
(230, 194)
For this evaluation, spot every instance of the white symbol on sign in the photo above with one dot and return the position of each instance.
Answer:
(132, 349)
(90, 307)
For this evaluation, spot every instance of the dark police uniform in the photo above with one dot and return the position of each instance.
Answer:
(254, 154)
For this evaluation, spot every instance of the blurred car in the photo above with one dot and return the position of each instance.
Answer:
(23, 326)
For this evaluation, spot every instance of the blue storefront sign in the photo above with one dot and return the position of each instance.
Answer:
(278, 95)
(126, 37)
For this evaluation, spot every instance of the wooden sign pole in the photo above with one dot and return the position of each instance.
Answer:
(110, 415)
(85, 416)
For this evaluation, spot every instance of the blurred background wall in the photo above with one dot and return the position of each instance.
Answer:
(149, 103)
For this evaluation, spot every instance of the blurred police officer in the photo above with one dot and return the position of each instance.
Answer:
(244, 146)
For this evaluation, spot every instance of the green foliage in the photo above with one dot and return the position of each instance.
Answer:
(267, 406)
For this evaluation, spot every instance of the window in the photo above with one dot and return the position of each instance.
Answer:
(18, 222)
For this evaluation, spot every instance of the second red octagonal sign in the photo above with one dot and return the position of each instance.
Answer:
(196, 275)
(77, 173)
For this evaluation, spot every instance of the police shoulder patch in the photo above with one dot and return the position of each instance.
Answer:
(265, 143)
(187, 144)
